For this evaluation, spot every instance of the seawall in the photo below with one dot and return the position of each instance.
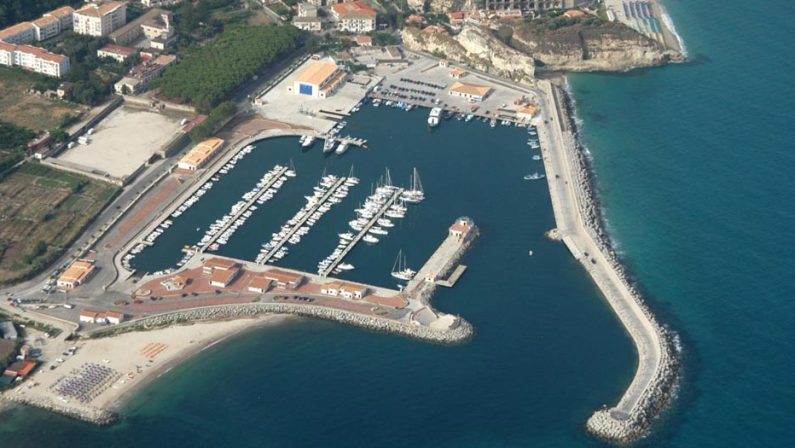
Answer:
(581, 226)
(456, 335)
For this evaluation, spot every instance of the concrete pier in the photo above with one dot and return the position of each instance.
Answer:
(248, 205)
(459, 236)
(395, 195)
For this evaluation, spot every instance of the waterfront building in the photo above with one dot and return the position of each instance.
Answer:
(175, 283)
(218, 264)
(221, 278)
(100, 20)
(457, 73)
(319, 80)
(284, 279)
(76, 274)
(343, 289)
(356, 17)
(101, 317)
(471, 92)
(527, 112)
(461, 228)
(199, 156)
(116, 52)
(21, 33)
(259, 284)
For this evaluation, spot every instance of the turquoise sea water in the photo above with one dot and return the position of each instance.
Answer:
(694, 163)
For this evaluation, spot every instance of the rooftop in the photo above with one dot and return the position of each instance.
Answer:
(219, 263)
(470, 89)
(118, 49)
(317, 72)
(15, 29)
(101, 10)
(77, 271)
(41, 53)
(61, 12)
(281, 276)
(357, 9)
(46, 20)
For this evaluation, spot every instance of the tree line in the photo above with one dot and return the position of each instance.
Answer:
(208, 74)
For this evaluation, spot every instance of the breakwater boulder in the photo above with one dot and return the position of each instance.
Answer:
(454, 335)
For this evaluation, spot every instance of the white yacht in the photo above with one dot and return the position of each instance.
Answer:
(400, 270)
(433, 118)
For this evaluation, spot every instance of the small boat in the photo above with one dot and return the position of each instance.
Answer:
(308, 141)
(536, 157)
(534, 176)
(370, 239)
(342, 148)
(345, 267)
(328, 146)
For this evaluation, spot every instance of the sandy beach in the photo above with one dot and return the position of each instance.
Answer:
(125, 363)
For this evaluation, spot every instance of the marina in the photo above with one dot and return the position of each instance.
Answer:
(384, 201)
(331, 189)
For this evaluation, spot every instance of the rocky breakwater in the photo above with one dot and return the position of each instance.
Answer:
(85, 413)
(475, 47)
(655, 383)
(458, 333)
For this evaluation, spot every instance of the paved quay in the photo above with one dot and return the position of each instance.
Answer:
(579, 225)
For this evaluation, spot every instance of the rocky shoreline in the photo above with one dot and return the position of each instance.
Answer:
(457, 335)
(609, 424)
(99, 417)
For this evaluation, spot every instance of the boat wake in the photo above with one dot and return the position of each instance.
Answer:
(669, 23)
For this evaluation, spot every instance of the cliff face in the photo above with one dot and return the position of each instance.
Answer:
(475, 47)
(587, 45)
(545, 44)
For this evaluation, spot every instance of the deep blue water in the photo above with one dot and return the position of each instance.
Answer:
(694, 165)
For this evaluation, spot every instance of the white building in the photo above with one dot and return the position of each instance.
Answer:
(313, 24)
(21, 33)
(33, 59)
(356, 17)
(319, 80)
(100, 20)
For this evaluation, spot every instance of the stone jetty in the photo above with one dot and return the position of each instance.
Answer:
(581, 227)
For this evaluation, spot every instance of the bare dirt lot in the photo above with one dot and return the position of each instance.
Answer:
(43, 211)
(31, 111)
(124, 141)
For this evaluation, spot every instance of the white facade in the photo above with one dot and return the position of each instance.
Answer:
(93, 20)
(34, 59)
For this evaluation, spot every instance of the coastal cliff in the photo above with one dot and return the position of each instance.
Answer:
(586, 44)
(520, 48)
(475, 47)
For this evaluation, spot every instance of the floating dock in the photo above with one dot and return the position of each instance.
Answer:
(248, 205)
(395, 195)
(303, 219)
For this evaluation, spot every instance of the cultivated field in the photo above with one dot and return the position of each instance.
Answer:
(30, 111)
(43, 211)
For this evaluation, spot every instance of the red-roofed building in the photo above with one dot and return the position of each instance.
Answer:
(461, 228)
(100, 20)
(116, 52)
(356, 17)
(33, 59)
(363, 41)
(259, 284)
(283, 279)
(20, 369)
(221, 278)
(218, 264)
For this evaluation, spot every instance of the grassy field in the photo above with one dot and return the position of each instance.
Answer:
(27, 110)
(43, 211)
